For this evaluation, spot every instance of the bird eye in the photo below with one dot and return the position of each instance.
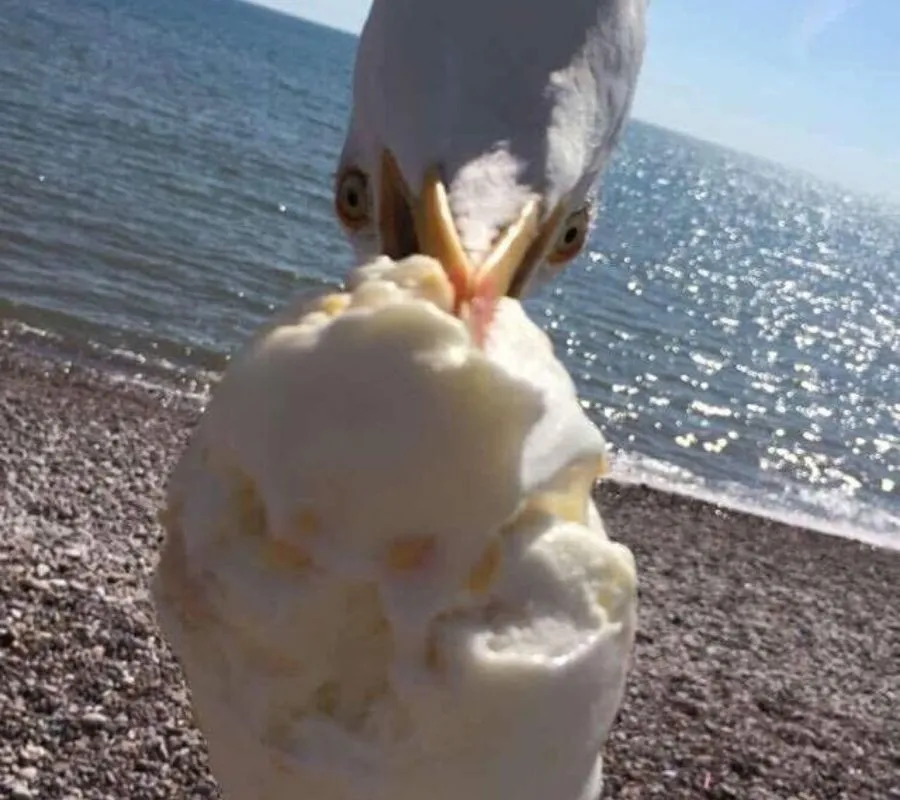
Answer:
(571, 237)
(351, 199)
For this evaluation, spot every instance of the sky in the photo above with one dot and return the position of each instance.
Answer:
(814, 84)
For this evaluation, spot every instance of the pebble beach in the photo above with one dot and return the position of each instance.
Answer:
(767, 662)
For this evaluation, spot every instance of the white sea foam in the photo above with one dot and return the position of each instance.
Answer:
(826, 511)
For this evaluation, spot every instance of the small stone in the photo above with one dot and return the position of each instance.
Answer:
(94, 720)
(20, 791)
(32, 752)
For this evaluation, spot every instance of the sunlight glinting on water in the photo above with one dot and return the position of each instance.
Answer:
(732, 326)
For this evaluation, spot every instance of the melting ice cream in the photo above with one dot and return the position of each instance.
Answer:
(383, 574)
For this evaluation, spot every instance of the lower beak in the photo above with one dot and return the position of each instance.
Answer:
(423, 223)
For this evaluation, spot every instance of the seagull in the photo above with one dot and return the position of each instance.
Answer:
(383, 572)
(479, 130)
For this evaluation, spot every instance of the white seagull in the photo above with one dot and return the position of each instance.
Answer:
(479, 130)
(383, 574)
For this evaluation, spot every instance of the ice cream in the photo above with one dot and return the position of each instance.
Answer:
(383, 573)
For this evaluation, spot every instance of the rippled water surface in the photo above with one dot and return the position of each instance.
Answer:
(165, 183)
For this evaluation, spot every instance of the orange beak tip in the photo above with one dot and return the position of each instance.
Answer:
(482, 309)
(460, 282)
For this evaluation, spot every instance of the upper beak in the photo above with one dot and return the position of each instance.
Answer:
(423, 223)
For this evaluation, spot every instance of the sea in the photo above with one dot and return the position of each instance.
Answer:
(165, 185)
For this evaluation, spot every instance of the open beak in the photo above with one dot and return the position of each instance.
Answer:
(423, 223)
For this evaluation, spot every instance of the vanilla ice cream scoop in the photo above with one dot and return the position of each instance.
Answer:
(384, 575)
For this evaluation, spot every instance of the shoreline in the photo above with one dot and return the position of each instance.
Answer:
(766, 664)
(192, 383)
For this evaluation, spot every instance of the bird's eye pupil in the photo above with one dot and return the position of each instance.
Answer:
(351, 199)
(570, 238)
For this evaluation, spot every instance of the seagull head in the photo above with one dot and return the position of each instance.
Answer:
(479, 129)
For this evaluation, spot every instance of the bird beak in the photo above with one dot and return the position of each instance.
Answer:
(423, 223)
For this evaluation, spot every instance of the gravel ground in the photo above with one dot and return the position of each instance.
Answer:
(768, 661)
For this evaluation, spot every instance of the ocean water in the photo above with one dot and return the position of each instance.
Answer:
(165, 178)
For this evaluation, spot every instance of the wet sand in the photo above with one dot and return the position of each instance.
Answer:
(767, 664)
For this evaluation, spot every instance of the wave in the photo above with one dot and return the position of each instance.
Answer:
(827, 511)
(117, 362)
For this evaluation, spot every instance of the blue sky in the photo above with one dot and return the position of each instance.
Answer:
(810, 83)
